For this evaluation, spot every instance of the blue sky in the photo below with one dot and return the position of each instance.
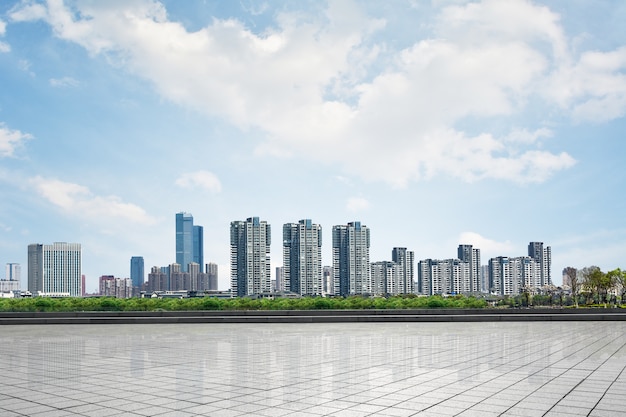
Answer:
(433, 122)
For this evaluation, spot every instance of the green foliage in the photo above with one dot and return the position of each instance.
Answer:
(70, 304)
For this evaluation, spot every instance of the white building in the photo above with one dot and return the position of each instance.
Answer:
(55, 269)
(447, 276)
(302, 257)
(351, 259)
(250, 269)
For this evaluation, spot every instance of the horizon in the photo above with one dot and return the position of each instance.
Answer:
(433, 123)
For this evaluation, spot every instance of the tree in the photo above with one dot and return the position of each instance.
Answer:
(574, 283)
(618, 278)
(597, 282)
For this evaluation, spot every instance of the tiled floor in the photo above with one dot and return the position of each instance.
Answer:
(377, 369)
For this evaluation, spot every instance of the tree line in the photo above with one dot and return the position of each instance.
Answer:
(590, 285)
(73, 304)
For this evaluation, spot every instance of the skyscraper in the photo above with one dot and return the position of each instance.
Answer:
(189, 241)
(351, 259)
(302, 257)
(55, 269)
(543, 256)
(212, 271)
(471, 255)
(250, 269)
(198, 245)
(405, 259)
(137, 275)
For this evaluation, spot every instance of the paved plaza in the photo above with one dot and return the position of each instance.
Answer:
(335, 369)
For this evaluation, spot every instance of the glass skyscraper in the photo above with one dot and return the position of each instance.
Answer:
(189, 241)
(137, 271)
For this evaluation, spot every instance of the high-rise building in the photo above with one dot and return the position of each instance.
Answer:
(13, 272)
(158, 279)
(509, 276)
(328, 287)
(279, 279)
(302, 257)
(543, 256)
(115, 287)
(351, 259)
(198, 245)
(211, 270)
(189, 241)
(405, 259)
(55, 269)
(250, 269)
(385, 278)
(447, 276)
(137, 275)
(471, 255)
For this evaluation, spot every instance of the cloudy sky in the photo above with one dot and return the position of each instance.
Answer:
(435, 123)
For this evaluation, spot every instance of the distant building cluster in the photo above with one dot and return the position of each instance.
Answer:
(352, 273)
(55, 270)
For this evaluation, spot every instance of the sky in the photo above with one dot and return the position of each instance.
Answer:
(492, 123)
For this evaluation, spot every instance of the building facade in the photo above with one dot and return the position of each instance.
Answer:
(543, 256)
(212, 272)
(189, 241)
(443, 276)
(471, 255)
(351, 259)
(250, 268)
(137, 275)
(302, 257)
(55, 269)
(115, 287)
(405, 259)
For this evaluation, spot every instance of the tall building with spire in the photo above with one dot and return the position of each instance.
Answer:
(302, 257)
(351, 259)
(250, 268)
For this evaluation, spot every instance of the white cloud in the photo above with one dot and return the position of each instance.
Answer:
(64, 82)
(200, 179)
(27, 12)
(357, 204)
(11, 140)
(487, 246)
(309, 85)
(78, 200)
(5, 47)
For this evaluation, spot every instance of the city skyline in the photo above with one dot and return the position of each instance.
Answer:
(434, 123)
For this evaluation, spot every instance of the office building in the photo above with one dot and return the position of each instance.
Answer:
(189, 241)
(405, 259)
(351, 259)
(55, 269)
(302, 257)
(250, 269)
(137, 276)
(471, 255)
